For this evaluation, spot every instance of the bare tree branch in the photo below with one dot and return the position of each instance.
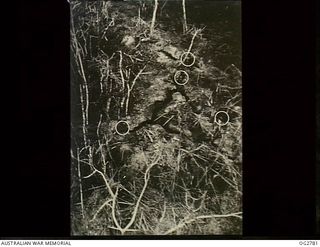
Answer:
(153, 21)
(184, 222)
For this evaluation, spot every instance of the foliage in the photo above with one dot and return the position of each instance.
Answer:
(178, 170)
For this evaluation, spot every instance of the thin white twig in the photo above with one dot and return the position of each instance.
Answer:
(99, 210)
(120, 69)
(80, 185)
(191, 43)
(188, 221)
(146, 180)
(129, 88)
(99, 124)
(184, 16)
(153, 21)
(90, 175)
(84, 129)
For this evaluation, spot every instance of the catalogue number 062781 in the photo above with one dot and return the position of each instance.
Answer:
(308, 242)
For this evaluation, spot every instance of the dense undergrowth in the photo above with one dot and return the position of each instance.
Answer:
(174, 165)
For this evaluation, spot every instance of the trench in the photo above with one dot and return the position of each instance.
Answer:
(158, 107)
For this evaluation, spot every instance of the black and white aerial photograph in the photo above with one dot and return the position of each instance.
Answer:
(156, 117)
